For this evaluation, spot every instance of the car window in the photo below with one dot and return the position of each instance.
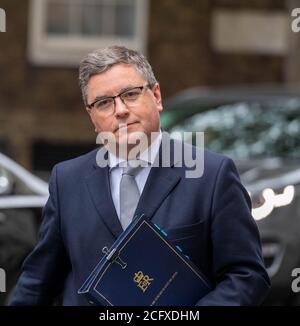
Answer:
(244, 130)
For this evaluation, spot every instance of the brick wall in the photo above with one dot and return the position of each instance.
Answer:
(179, 43)
(37, 104)
(228, 69)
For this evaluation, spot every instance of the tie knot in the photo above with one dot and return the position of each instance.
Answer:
(131, 170)
(133, 167)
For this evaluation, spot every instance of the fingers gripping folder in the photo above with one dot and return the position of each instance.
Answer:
(143, 268)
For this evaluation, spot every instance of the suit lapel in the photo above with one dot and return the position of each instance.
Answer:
(160, 183)
(99, 189)
(162, 178)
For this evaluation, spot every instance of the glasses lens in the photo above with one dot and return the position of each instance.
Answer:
(104, 104)
(131, 95)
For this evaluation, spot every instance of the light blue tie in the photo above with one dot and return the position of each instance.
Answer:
(129, 195)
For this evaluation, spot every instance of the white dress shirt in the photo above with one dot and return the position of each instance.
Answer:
(117, 164)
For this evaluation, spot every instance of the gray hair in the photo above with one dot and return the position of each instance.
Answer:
(102, 59)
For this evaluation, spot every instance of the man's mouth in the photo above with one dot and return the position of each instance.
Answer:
(124, 126)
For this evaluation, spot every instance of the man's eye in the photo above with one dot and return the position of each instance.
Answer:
(131, 94)
(103, 103)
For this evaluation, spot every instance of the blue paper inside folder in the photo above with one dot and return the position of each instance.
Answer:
(143, 268)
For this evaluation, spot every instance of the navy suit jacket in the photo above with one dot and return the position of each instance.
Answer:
(208, 217)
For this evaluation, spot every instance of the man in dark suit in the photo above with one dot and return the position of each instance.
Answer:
(208, 216)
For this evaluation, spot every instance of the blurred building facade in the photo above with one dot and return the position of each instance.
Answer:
(189, 43)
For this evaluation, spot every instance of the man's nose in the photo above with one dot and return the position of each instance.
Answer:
(120, 108)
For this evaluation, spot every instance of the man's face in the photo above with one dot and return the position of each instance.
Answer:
(142, 117)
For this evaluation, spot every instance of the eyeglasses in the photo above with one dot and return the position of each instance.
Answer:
(129, 97)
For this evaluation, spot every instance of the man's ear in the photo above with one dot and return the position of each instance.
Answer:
(157, 95)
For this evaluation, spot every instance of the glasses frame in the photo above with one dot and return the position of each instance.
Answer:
(113, 98)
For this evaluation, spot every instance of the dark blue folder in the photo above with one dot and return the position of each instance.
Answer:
(143, 268)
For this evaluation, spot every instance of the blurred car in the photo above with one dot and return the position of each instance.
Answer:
(260, 129)
(22, 195)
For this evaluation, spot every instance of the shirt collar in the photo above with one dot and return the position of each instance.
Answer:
(148, 155)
